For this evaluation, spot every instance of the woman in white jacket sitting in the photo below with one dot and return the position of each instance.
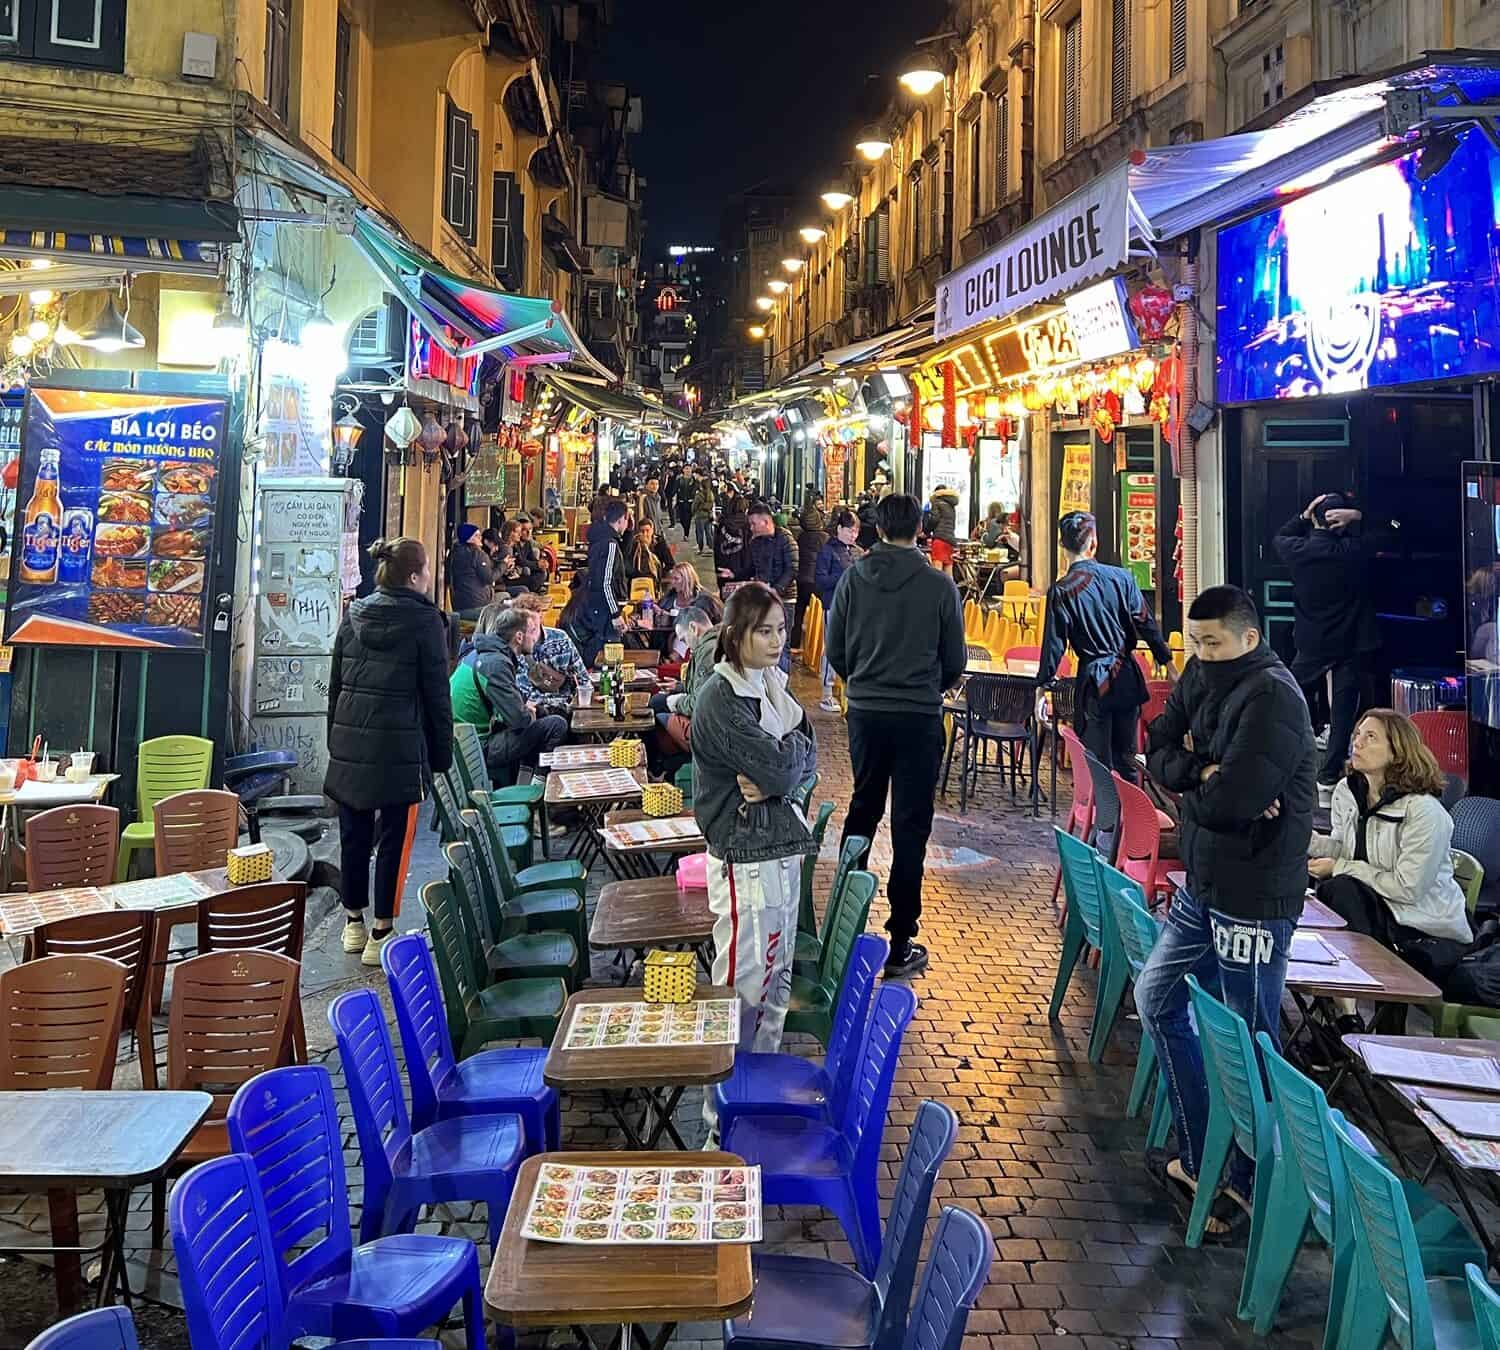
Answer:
(1386, 865)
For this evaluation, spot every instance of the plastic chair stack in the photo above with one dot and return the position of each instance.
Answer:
(809, 936)
(807, 915)
(544, 896)
(1083, 921)
(507, 949)
(165, 765)
(814, 1001)
(1138, 851)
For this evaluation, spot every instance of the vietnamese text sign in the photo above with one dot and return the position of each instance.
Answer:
(1083, 237)
(1100, 321)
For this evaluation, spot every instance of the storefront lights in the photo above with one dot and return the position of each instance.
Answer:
(873, 144)
(40, 264)
(111, 332)
(757, 331)
(38, 330)
(836, 200)
(793, 264)
(21, 346)
(42, 297)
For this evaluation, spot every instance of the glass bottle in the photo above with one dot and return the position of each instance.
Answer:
(41, 531)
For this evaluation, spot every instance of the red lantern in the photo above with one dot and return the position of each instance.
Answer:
(1153, 307)
(950, 406)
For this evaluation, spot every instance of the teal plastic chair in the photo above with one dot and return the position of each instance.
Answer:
(1309, 1195)
(1486, 1308)
(448, 806)
(1084, 923)
(1238, 1113)
(1131, 925)
(801, 795)
(814, 1002)
(810, 943)
(807, 915)
(1424, 1313)
(522, 804)
(683, 779)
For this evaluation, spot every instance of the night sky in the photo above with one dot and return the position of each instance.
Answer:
(738, 91)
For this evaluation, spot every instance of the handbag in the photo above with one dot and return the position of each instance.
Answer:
(545, 679)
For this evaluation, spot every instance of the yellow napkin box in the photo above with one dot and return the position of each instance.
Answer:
(661, 799)
(671, 977)
(624, 752)
(249, 864)
(614, 653)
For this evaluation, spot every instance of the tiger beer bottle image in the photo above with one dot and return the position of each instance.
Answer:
(41, 533)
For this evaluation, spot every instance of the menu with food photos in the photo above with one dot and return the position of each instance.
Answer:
(595, 783)
(576, 757)
(644, 1205)
(114, 518)
(620, 1026)
(642, 833)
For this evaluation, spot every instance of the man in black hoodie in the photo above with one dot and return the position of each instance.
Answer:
(608, 584)
(1236, 742)
(896, 635)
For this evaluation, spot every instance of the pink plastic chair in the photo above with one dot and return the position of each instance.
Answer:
(1155, 704)
(1080, 819)
(1446, 733)
(1139, 847)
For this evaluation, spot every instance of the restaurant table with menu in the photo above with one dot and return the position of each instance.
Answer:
(591, 792)
(636, 844)
(594, 721)
(611, 1042)
(616, 1283)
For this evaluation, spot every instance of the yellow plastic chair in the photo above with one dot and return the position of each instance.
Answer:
(558, 596)
(643, 588)
(973, 622)
(994, 632)
(1179, 653)
(812, 636)
(165, 765)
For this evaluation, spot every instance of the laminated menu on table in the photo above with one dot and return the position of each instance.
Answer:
(620, 1026)
(644, 1206)
(601, 782)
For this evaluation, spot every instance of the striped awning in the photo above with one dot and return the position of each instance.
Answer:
(124, 252)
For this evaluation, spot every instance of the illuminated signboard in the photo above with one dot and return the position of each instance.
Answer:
(426, 360)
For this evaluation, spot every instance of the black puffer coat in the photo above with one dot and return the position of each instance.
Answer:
(390, 720)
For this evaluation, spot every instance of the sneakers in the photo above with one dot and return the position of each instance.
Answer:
(355, 935)
(830, 705)
(373, 944)
(909, 959)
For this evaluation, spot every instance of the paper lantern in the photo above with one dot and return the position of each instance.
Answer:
(403, 428)
(1153, 307)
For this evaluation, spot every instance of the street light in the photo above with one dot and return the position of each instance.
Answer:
(811, 234)
(757, 331)
(873, 144)
(778, 287)
(794, 264)
(922, 76)
(764, 303)
(836, 200)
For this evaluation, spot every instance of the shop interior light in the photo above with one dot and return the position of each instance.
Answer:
(836, 200)
(811, 234)
(111, 332)
(39, 330)
(21, 346)
(921, 77)
(873, 144)
(42, 297)
(40, 264)
(777, 287)
(757, 331)
(793, 264)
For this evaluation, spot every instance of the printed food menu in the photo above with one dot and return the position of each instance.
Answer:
(619, 1026)
(114, 519)
(647, 1205)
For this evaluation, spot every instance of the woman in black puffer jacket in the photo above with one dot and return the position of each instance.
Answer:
(390, 728)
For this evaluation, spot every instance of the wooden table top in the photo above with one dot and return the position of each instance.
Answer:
(1399, 983)
(624, 815)
(615, 1068)
(594, 720)
(22, 911)
(554, 794)
(636, 656)
(549, 1284)
(87, 1140)
(1315, 914)
(649, 912)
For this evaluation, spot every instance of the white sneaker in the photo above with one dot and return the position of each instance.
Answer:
(373, 945)
(830, 705)
(355, 935)
(1325, 794)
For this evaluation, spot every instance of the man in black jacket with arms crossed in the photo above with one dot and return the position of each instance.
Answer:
(1236, 743)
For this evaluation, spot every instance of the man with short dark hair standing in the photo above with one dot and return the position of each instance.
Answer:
(608, 585)
(896, 635)
(773, 560)
(1236, 743)
(1100, 611)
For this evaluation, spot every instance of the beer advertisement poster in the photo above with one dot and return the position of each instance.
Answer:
(112, 540)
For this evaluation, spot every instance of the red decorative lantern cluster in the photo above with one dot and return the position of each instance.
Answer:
(530, 450)
(1153, 307)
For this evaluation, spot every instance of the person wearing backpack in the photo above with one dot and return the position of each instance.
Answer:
(703, 513)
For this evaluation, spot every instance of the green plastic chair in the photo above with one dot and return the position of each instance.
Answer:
(1486, 1307)
(1083, 925)
(815, 1001)
(808, 945)
(801, 795)
(1424, 1313)
(447, 807)
(1468, 871)
(164, 765)
(683, 779)
(472, 775)
(507, 949)
(1310, 1195)
(1238, 1113)
(1136, 931)
(479, 1012)
(542, 908)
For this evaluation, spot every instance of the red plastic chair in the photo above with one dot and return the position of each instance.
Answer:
(1139, 846)
(1446, 733)
(1023, 654)
(1080, 819)
(1155, 704)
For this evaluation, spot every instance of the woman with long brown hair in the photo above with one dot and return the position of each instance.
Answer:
(1385, 865)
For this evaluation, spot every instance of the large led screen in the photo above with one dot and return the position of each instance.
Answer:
(1380, 279)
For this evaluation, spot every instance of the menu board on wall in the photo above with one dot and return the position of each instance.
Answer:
(484, 480)
(1076, 490)
(296, 396)
(1138, 527)
(114, 519)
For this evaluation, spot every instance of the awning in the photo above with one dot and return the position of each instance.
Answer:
(611, 402)
(522, 330)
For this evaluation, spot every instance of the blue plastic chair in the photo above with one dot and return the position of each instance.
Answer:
(805, 1162)
(463, 1158)
(97, 1329)
(807, 1301)
(789, 1085)
(442, 1087)
(1486, 1308)
(1425, 1314)
(287, 1124)
(1082, 926)
(1310, 1192)
(956, 1272)
(1124, 903)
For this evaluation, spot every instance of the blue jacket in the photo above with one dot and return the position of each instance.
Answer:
(833, 561)
(608, 585)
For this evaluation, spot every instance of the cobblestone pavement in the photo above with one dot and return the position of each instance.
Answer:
(1087, 1250)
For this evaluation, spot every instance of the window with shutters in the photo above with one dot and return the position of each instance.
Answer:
(1072, 71)
(976, 169)
(877, 247)
(915, 210)
(1272, 76)
(1000, 130)
(508, 231)
(460, 174)
(87, 33)
(1119, 59)
(934, 231)
(1177, 38)
(279, 57)
(343, 88)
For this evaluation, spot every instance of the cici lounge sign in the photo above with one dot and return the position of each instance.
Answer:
(1082, 237)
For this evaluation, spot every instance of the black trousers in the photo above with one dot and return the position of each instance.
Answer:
(506, 751)
(1343, 712)
(1109, 732)
(900, 753)
(380, 833)
(1366, 911)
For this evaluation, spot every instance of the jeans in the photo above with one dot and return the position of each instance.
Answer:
(704, 531)
(1108, 732)
(1241, 962)
(902, 752)
(507, 751)
(1343, 710)
(361, 833)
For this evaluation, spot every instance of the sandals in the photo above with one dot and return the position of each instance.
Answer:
(1227, 1216)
